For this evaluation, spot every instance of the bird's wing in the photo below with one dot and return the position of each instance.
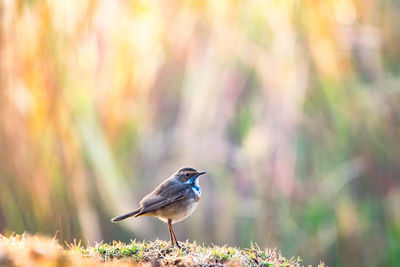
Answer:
(165, 194)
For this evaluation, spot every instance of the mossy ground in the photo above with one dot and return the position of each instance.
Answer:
(30, 250)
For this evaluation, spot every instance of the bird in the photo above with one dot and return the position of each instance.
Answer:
(172, 201)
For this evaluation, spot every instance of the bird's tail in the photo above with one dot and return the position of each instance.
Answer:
(123, 217)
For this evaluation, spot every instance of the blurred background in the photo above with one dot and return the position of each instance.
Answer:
(292, 107)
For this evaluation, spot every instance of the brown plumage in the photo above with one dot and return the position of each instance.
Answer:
(172, 201)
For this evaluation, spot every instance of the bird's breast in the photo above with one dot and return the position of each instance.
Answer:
(177, 211)
(197, 192)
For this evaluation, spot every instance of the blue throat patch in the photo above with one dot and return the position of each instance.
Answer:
(196, 188)
(193, 184)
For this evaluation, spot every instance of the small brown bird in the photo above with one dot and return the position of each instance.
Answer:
(172, 201)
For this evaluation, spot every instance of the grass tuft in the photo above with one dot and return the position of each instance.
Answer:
(27, 250)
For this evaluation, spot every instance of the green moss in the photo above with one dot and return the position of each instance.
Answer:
(161, 252)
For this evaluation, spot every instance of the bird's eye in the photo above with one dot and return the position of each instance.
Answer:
(187, 174)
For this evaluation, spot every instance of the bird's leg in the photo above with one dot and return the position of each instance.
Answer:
(170, 231)
(176, 241)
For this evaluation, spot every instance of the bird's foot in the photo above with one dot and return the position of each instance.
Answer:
(177, 244)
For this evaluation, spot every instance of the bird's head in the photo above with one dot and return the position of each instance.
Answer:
(188, 174)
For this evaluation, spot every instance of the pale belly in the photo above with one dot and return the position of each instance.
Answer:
(177, 212)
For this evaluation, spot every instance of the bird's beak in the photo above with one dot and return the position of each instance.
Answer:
(201, 173)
